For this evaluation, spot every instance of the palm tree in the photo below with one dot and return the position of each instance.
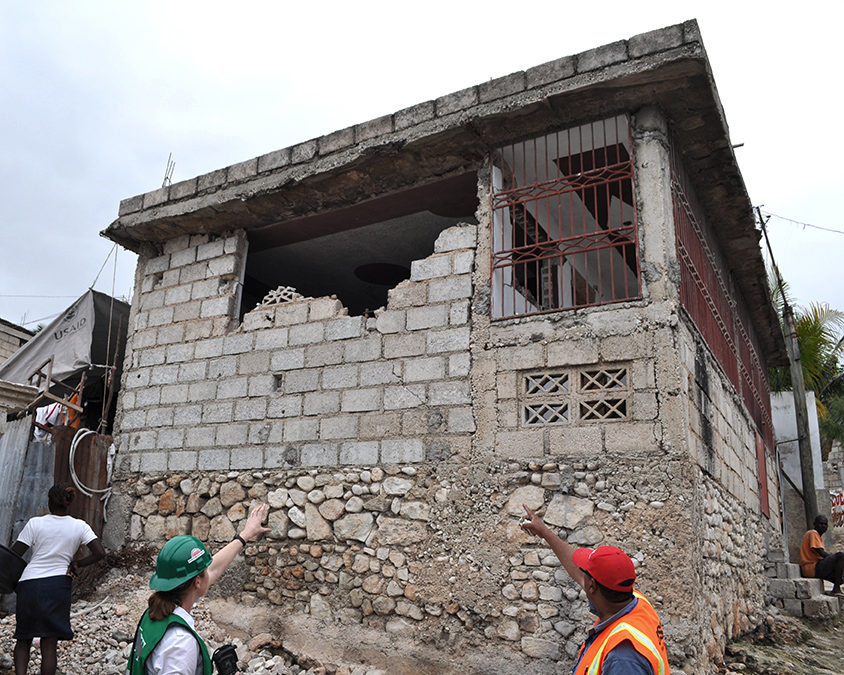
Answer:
(820, 338)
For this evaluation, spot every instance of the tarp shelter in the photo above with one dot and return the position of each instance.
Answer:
(88, 337)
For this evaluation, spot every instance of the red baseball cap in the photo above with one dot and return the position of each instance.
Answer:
(609, 566)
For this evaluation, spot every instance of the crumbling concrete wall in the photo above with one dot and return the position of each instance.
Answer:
(301, 384)
(395, 456)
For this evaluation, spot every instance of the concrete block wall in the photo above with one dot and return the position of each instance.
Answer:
(633, 340)
(541, 348)
(833, 476)
(302, 392)
(721, 436)
(12, 338)
(300, 383)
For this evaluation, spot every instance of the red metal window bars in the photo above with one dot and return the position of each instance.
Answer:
(715, 305)
(564, 221)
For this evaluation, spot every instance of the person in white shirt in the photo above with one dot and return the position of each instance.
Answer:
(43, 591)
(48, 416)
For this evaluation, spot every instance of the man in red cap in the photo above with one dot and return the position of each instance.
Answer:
(627, 638)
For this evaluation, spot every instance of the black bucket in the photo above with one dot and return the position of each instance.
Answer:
(11, 568)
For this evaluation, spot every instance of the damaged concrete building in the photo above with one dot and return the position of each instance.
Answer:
(546, 289)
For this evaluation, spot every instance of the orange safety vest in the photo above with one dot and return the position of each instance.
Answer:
(641, 627)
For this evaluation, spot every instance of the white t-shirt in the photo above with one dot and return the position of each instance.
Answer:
(48, 414)
(53, 541)
(178, 652)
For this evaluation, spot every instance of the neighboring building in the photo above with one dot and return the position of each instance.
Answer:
(791, 474)
(12, 338)
(834, 482)
(546, 290)
(12, 396)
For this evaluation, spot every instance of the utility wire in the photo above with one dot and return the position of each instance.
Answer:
(797, 222)
(3, 295)
(45, 318)
(113, 249)
(94, 283)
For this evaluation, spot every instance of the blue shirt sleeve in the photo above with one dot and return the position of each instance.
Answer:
(625, 660)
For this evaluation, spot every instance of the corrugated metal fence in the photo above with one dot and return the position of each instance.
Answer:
(29, 469)
(13, 455)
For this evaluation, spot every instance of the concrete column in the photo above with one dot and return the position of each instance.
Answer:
(657, 245)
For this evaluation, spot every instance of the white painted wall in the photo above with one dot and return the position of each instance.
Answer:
(785, 434)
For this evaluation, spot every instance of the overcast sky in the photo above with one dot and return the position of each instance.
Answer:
(94, 96)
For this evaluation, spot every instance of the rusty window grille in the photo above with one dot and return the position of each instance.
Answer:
(564, 221)
(715, 306)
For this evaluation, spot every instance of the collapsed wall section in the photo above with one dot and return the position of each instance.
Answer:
(299, 383)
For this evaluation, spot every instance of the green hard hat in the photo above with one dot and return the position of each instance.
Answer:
(181, 559)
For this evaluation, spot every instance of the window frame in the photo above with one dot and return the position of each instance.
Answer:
(565, 221)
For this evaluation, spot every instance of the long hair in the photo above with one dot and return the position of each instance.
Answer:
(60, 496)
(162, 603)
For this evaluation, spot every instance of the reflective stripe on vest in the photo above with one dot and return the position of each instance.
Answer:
(640, 626)
(635, 634)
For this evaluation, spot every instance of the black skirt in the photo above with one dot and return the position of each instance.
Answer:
(43, 608)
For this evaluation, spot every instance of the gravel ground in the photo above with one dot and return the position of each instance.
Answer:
(104, 623)
(788, 646)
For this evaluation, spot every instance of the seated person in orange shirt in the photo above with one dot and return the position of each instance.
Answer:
(816, 563)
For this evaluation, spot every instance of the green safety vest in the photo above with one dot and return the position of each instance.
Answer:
(149, 634)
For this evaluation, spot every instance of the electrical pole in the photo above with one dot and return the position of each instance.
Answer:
(804, 440)
(798, 389)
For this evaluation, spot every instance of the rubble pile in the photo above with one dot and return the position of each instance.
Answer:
(104, 626)
(784, 645)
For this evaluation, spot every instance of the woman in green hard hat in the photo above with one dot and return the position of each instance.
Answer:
(166, 642)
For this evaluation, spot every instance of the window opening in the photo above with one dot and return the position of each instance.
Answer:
(564, 221)
(601, 394)
(357, 253)
(606, 409)
(547, 383)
